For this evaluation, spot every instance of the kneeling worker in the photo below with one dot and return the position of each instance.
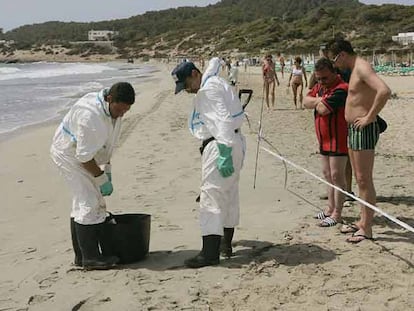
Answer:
(216, 120)
(82, 148)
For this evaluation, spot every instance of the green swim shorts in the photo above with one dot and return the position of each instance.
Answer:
(364, 139)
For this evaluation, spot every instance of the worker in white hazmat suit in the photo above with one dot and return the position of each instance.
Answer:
(234, 73)
(216, 120)
(82, 149)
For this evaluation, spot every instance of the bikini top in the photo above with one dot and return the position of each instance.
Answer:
(297, 72)
(268, 69)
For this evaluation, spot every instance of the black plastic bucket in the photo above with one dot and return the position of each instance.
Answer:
(130, 236)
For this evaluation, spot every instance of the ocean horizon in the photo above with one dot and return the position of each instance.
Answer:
(34, 93)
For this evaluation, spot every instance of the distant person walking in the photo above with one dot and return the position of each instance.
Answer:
(368, 94)
(234, 73)
(296, 81)
(202, 63)
(282, 64)
(269, 79)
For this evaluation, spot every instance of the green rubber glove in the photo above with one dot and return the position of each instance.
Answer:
(107, 188)
(225, 160)
(105, 185)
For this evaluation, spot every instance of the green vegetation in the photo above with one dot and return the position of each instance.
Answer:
(235, 25)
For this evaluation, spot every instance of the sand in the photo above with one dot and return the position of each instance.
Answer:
(283, 260)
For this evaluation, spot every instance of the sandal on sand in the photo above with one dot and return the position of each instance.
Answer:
(321, 216)
(358, 237)
(349, 228)
(328, 222)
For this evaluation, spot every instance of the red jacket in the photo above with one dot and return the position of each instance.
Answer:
(331, 129)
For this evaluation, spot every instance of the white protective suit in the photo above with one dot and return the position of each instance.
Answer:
(218, 113)
(234, 74)
(87, 132)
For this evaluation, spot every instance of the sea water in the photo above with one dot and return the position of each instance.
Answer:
(33, 93)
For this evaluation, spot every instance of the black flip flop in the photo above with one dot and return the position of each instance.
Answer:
(359, 235)
(349, 228)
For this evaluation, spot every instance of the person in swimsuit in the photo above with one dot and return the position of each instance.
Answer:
(368, 94)
(328, 98)
(269, 78)
(345, 75)
(282, 64)
(296, 76)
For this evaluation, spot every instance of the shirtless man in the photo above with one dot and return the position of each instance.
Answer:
(367, 95)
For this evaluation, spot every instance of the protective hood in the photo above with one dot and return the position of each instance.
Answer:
(101, 99)
(213, 69)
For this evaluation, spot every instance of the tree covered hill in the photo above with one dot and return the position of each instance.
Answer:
(237, 25)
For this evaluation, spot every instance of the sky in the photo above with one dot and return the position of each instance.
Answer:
(15, 13)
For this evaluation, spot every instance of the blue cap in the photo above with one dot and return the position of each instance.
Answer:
(180, 73)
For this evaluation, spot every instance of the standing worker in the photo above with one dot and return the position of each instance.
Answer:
(216, 120)
(234, 73)
(82, 148)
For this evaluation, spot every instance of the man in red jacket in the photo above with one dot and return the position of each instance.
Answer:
(328, 99)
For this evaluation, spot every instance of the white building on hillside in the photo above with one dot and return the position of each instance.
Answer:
(404, 38)
(101, 35)
(6, 42)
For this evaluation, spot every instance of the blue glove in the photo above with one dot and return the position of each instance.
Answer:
(225, 160)
(105, 185)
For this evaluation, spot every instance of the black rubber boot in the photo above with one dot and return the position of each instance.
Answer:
(210, 254)
(75, 244)
(105, 238)
(88, 239)
(226, 249)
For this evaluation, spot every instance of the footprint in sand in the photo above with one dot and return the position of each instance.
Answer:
(46, 279)
(35, 299)
(169, 227)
